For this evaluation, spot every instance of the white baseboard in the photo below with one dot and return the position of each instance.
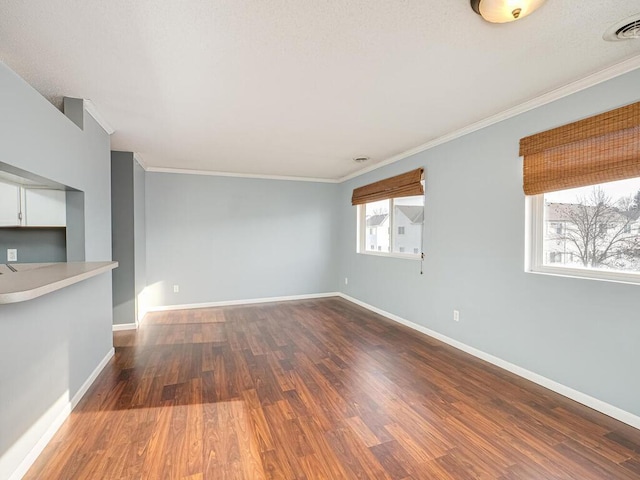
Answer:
(242, 302)
(92, 378)
(583, 398)
(59, 420)
(124, 326)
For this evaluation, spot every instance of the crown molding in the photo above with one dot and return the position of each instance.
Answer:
(561, 92)
(239, 175)
(92, 110)
(138, 158)
(569, 89)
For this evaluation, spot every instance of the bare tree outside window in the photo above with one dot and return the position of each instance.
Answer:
(595, 230)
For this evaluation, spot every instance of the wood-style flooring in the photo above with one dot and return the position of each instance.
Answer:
(321, 389)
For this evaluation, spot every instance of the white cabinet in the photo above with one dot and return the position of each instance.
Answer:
(9, 205)
(44, 208)
(32, 207)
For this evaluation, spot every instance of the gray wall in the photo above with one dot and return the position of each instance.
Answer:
(140, 234)
(50, 346)
(128, 235)
(581, 333)
(123, 238)
(34, 245)
(75, 226)
(222, 238)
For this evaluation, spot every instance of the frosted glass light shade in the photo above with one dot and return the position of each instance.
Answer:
(502, 11)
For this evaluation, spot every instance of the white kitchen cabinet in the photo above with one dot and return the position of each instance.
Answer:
(32, 207)
(9, 205)
(44, 208)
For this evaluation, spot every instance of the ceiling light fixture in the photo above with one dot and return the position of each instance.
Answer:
(503, 11)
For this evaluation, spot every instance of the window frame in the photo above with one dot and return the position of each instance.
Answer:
(534, 251)
(361, 239)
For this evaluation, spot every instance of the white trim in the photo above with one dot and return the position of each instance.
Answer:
(583, 398)
(37, 449)
(92, 110)
(138, 158)
(588, 274)
(569, 89)
(534, 251)
(561, 92)
(117, 327)
(407, 256)
(92, 378)
(166, 308)
(239, 175)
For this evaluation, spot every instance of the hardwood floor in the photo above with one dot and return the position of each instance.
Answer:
(321, 389)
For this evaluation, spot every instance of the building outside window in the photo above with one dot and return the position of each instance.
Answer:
(403, 216)
(582, 182)
(390, 215)
(593, 228)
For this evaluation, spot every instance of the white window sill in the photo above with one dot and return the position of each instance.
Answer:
(408, 256)
(601, 275)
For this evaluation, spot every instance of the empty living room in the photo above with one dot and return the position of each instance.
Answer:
(319, 240)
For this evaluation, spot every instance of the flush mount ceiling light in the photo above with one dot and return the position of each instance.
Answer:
(503, 11)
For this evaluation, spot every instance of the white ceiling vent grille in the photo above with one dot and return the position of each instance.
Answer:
(627, 29)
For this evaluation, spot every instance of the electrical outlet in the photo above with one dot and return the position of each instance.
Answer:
(12, 255)
(456, 316)
(346, 281)
(176, 288)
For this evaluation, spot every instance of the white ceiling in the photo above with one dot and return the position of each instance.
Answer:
(298, 87)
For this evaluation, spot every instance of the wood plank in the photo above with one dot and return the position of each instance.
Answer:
(320, 389)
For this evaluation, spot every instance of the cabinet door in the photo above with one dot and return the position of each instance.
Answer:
(9, 205)
(45, 208)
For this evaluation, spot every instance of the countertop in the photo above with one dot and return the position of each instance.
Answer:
(32, 280)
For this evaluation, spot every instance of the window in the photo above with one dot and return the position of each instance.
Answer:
(582, 182)
(588, 231)
(391, 215)
(402, 216)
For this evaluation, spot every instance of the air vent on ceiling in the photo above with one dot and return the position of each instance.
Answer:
(627, 29)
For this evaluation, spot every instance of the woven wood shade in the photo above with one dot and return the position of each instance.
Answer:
(405, 185)
(599, 149)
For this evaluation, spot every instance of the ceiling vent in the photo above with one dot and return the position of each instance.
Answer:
(627, 29)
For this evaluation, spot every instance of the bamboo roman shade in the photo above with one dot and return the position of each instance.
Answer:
(599, 149)
(404, 185)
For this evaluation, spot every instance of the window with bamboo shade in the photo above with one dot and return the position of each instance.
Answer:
(391, 215)
(599, 149)
(404, 185)
(583, 186)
